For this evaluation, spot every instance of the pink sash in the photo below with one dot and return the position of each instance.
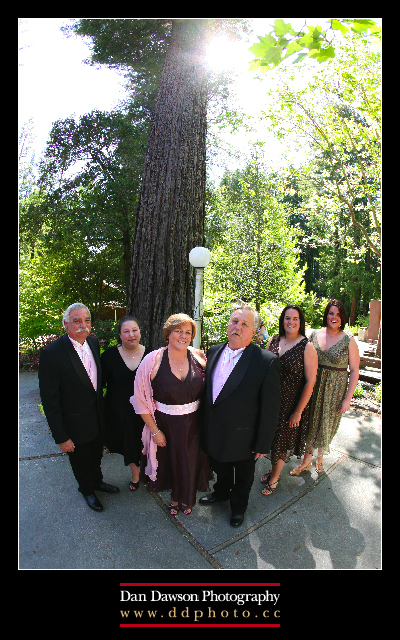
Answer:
(177, 409)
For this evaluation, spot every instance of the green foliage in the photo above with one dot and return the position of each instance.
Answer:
(312, 41)
(313, 309)
(106, 332)
(77, 228)
(254, 255)
(363, 320)
(334, 120)
(352, 330)
(26, 160)
(135, 45)
(63, 269)
(107, 149)
(40, 311)
(33, 210)
(270, 313)
(126, 42)
(358, 391)
(337, 115)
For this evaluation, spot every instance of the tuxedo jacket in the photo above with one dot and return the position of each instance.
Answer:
(74, 410)
(244, 417)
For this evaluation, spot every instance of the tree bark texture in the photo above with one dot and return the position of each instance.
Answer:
(171, 209)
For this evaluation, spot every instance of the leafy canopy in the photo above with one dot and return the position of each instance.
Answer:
(311, 41)
(337, 116)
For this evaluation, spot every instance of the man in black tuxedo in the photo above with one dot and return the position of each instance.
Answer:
(241, 410)
(72, 399)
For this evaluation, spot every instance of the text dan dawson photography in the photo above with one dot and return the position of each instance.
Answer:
(195, 604)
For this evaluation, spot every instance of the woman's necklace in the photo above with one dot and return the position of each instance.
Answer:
(286, 341)
(331, 337)
(330, 333)
(178, 365)
(129, 351)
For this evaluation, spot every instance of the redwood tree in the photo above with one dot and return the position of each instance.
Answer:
(170, 215)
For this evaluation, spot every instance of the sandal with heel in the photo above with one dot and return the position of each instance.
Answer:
(266, 477)
(186, 510)
(297, 471)
(268, 489)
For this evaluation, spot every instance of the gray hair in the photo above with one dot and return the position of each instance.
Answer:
(257, 317)
(75, 305)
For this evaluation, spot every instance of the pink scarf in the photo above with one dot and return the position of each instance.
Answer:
(142, 402)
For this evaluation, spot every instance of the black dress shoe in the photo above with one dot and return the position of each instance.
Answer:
(94, 503)
(210, 499)
(237, 519)
(108, 488)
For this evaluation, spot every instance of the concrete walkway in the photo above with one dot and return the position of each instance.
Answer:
(331, 521)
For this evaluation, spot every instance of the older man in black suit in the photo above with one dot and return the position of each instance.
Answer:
(72, 398)
(241, 410)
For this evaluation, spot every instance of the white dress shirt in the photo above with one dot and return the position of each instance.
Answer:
(224, 367)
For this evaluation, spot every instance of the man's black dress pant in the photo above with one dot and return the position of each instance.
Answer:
(85, 461)
(234, 482)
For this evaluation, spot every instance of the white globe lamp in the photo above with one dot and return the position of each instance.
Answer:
(199, 257)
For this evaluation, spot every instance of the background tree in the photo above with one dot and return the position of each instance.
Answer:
(336, 119)
(39, 309)
(26, 160)
(170, 214)
(347, 268)
(59, 263)
(318, 115)
(78, 224)
(296, 192)
(134, 46)
(94, 166)
(254, 250)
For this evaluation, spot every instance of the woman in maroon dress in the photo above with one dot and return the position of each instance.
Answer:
(168, 387)
(299, 365)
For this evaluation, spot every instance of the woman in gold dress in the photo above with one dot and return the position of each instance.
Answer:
(334, 387)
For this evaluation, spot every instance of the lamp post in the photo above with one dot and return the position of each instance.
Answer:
(199, 257)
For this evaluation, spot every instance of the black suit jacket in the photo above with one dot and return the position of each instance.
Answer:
(244, 417)
(74, 410)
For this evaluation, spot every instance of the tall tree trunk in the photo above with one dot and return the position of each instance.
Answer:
(353, 311)
(170, 215)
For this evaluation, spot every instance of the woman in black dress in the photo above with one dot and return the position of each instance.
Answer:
(123, 426)
(299, 365)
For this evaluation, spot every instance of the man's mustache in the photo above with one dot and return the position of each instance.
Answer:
(82, 329)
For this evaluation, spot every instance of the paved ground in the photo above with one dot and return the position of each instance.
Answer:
(331, 521)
